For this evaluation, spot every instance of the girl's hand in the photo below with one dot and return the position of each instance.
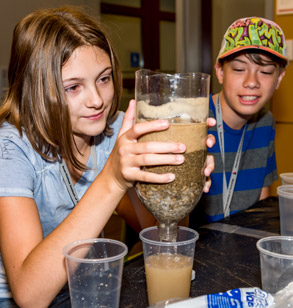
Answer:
(128, 155)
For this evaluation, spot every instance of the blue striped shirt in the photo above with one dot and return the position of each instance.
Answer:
(257, 166)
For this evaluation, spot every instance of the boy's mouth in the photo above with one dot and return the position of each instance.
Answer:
(249, 98)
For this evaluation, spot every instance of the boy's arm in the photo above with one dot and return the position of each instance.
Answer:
(265, 192)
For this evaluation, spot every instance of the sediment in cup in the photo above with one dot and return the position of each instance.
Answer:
(175, 200)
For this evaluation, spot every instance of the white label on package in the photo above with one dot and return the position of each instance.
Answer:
(237, 298)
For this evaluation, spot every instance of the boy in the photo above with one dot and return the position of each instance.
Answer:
(250, 67)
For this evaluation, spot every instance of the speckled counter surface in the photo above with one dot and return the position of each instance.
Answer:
(226, 256)
(133, 292)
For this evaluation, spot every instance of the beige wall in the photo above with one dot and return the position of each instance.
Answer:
(224, 13)
(11, 11)
(282, 108)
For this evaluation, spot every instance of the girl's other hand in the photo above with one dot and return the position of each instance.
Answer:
(210, 162)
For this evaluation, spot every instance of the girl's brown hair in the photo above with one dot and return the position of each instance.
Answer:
(35, 102)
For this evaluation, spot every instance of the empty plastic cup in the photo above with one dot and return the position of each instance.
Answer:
(276, 261)
(94, 269)
(168, 265)
(287, 178)
(285, 193)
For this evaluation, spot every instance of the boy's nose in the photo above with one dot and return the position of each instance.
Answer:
(251, 81)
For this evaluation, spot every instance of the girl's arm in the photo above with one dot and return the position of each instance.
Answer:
(35, 265)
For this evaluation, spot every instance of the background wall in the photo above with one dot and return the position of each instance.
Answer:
(282, 108)
(188, 36)
(225, 12)
(11, 11)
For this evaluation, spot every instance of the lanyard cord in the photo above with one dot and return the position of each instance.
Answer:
(68, 181)
(227, 191)
(67, 178)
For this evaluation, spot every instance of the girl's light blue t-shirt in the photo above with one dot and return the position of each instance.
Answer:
(24, 173)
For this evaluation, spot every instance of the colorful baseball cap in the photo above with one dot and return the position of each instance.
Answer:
(254, 33)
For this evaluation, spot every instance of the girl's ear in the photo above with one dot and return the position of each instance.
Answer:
(219, 72)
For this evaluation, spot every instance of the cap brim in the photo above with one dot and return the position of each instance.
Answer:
(240, 48)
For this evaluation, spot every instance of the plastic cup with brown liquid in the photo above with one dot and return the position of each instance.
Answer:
(168, 265)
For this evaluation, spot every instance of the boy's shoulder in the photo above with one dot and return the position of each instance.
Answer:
(263, 117)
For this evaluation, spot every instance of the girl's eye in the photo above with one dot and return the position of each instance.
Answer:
(71, 89)
(105, 79)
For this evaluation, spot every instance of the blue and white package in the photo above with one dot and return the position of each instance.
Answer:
(236, 298)
(240, 298)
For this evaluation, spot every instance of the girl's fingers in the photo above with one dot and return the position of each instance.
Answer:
(129, 118)
(210, 165)
(207, 185)
(145, 175)
(156, 178)
(157, 160)
(155, 148)
(135, 154)
(211, 140)
(211, 122)
(142, 128)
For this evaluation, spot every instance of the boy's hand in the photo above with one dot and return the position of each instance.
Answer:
(210, 162)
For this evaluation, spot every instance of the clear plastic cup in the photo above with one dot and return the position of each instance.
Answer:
(287, 178)
(168, 265)
(276, 261)
(285, 193)
(94, 269)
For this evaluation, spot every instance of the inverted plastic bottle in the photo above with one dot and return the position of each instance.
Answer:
(182, 99)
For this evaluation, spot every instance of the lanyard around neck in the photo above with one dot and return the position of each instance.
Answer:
(67, 178)
(227, 191)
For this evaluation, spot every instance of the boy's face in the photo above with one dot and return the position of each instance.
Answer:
(246, 87)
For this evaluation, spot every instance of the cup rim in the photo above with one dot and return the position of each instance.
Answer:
(149, 73)
(274, 254)
(285, 191)
(153, 242)
(286, 173)
(71, 245)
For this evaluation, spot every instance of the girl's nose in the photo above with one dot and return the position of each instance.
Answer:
(94, 99)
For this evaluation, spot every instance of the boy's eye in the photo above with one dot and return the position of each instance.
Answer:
(267, 72)
(236, 69)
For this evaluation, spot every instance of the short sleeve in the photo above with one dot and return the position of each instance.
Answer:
(16, 167)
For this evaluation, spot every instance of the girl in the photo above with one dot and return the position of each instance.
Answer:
(67, 156)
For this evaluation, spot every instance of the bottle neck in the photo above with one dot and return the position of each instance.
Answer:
(168, 232)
